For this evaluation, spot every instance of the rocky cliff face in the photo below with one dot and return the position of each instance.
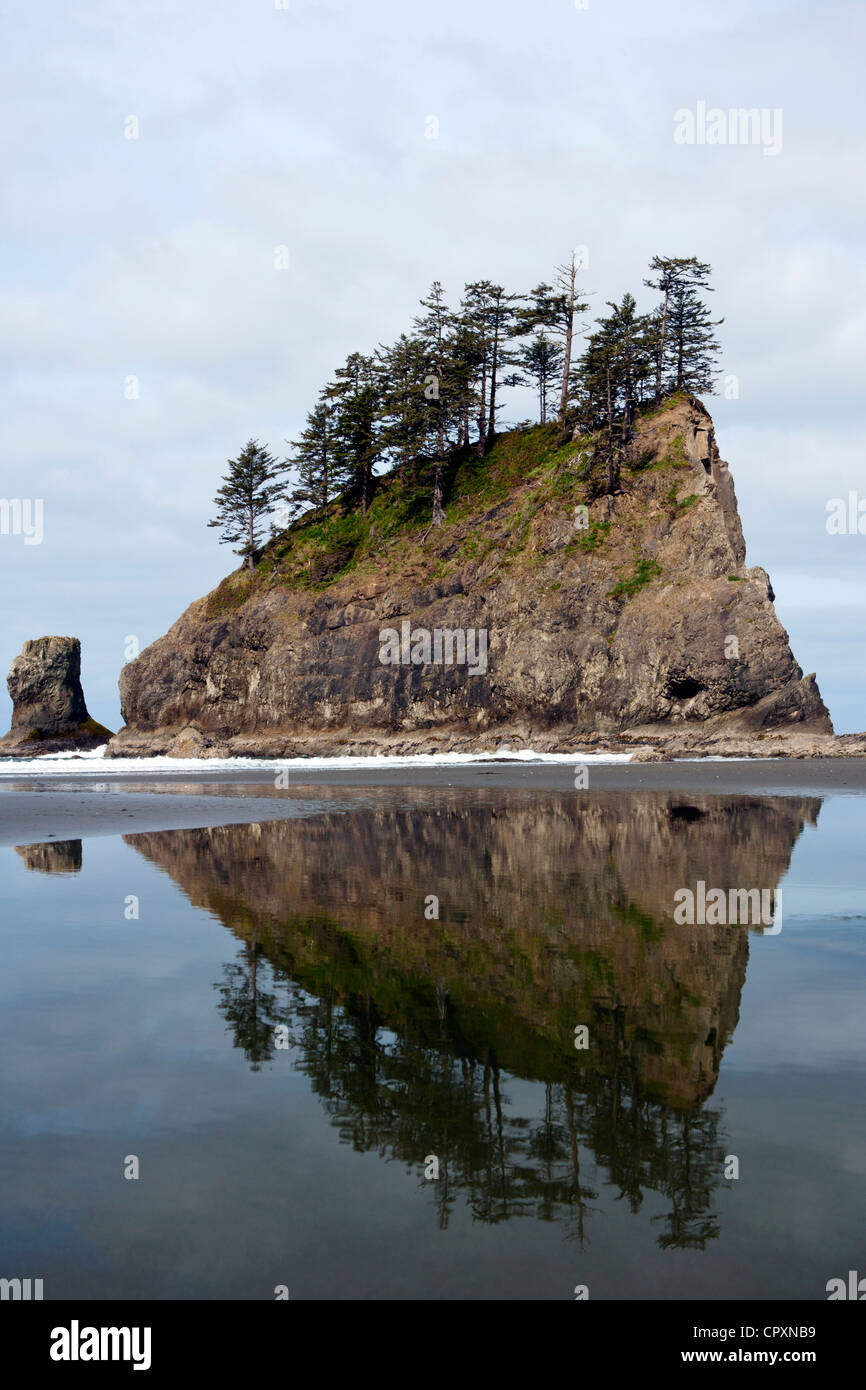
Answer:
(629, 617)
(49, 714)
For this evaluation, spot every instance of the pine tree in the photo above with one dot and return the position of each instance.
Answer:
(432, 331)
(487, 323)
(612, 374)
(404, 410)
(541, 360)
(466, 353)
(598, 376)
(355, 395)
(475, 326)
(250, 489)
(501, 313)
(684, 344)
(692, 343)
(315, 457)
(630, 338)
(419, 396)
(555, 308)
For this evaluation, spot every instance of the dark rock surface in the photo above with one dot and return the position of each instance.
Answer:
(49, 714)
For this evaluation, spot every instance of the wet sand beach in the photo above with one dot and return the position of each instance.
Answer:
(63, 804)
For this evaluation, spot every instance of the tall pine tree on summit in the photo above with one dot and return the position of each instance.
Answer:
(555, 307)
(684, 342)
(615, 370)
(432, 333)
(610, 378)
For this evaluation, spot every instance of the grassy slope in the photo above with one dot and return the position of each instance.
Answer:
(490, 504)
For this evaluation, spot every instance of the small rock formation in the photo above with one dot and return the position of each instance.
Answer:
(49, 714)
(52, 856)
(630, 619)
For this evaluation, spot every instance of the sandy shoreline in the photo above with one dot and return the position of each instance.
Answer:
(67, 806)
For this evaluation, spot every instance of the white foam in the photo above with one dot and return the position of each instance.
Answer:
(729, 758)
(95, 762)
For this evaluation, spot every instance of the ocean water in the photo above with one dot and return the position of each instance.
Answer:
(344, 1052)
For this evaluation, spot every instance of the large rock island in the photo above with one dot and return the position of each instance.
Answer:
(575, 610)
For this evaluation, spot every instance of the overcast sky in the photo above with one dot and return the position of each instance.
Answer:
(307, 126)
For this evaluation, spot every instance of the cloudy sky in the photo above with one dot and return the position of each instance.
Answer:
(148, 264)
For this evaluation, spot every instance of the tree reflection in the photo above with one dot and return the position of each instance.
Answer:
(406, 1097)
(248, 1009)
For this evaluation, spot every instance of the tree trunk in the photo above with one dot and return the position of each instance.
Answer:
(494, 368)
(438, 510)
(611, 480)
(627, 408)
(566, 371)
(481, 447)
(566, 365)
(660, 358)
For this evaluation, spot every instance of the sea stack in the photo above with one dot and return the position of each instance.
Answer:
(614, 611)
(49, 714)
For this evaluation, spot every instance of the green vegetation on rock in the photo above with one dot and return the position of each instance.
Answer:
(644, 571)
(428, 408)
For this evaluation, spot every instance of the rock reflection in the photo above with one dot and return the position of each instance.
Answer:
(454, 1037)
(52, 856)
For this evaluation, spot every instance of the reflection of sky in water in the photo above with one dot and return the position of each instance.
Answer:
(111, 1042)
(803, 1006)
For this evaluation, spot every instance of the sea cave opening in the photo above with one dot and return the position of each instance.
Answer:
(684, 688)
